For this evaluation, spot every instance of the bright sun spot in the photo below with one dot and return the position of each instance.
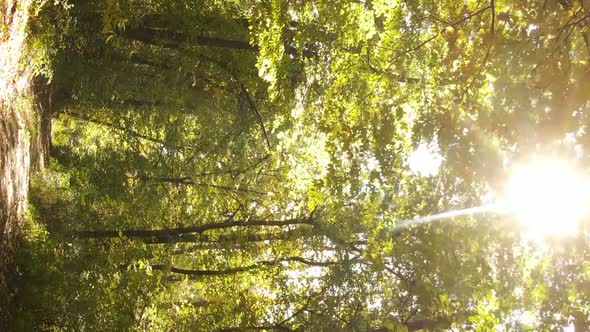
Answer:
(548, 197)
(425, 160)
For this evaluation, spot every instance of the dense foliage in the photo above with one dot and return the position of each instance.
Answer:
(239, 165)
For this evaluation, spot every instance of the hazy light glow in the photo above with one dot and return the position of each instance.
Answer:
(548, 197)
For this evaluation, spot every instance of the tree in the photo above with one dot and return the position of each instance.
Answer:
(239, 166)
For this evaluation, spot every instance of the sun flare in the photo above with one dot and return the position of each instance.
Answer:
(548, 197)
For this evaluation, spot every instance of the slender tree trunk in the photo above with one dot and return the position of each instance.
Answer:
(172, 39)
(195, 274)
(171, 233)
(204, 273)
(128, 131)
(235, 241)
(188, 181)
(254, 328)
(41, 141)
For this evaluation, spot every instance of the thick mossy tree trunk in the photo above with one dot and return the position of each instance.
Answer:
(17, 130)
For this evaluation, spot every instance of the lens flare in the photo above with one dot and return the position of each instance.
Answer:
(548, 197)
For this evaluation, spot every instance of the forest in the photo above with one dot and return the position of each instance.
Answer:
(302, 165)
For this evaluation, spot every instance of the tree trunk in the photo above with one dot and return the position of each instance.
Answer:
(195, 274)
(189, 182)
(41, 142)
(172, 39)
(172, 233)
(128, 131)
